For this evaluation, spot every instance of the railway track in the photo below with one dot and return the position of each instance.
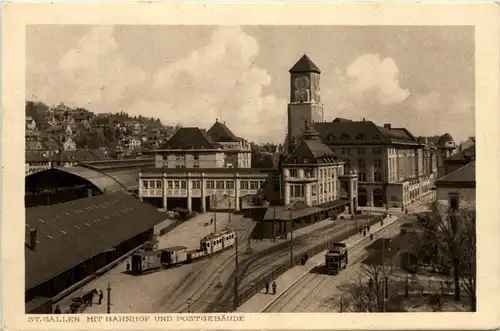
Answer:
(311, 286)
(226, 296)
(205, 294)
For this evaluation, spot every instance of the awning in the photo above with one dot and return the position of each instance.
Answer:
(333, 204)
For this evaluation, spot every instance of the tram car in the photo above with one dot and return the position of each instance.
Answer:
(215, 243)
(144, 261)
(336, 258)
(211, 244)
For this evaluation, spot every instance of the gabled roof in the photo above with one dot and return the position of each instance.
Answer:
(341, 131)
(189, 138)
(72, 232)
(219, 132)
(468, 154)
(466, 174)
(312, 149)
(305, 64)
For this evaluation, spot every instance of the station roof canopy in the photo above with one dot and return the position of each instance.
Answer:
(107, 180)
(300, 210)
(73, 232)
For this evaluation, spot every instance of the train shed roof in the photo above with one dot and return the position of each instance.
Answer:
(73, 232)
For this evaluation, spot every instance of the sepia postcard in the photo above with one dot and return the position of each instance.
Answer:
(250, 166)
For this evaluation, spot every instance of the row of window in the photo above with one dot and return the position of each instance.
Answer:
(308, 173)
(345, 136)
(377, 176)
(209, 184)
(360, 150)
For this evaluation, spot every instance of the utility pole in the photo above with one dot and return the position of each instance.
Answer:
(236, 272)
(215, 213)
(291, 238)
(109, 299)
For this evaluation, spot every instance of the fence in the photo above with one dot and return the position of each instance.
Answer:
(261, 281)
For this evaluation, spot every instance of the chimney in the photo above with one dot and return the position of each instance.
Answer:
(387, 126)
(33, 236)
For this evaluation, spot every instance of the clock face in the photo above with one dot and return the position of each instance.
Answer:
(301, 82)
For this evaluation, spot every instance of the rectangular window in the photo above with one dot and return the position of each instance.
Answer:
(377, 163)
(454, 201)
(219, 185)
(361, 164)
(196, 184)
(158, 184)
(170, 184)
(244, 185)
(230, 185)
(210, 184)
(377, 150)
(177, 184)
(196, 157)
(262, 183)
(179, 157)
(145, 184)
(254, 185)
(293, 173)
(313, 190)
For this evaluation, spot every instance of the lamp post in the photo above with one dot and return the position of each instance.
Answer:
(290, 208)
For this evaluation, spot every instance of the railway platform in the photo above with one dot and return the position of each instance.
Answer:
(261, 300)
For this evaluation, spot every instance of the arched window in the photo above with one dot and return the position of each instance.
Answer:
(361, 136)
(345, 136)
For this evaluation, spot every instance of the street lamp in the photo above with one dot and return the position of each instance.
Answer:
(290, 208)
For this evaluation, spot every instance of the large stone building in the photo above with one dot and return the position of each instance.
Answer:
(193, 147)
(313, 174)
(394, 168)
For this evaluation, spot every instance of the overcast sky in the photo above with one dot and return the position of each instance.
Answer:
(421, 78)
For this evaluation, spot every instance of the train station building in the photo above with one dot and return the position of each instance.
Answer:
(69, 242)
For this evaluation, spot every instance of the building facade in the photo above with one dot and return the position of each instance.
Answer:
(314, 175)
(197, 148)
(393, 167)
(458, 188)
(199, 189)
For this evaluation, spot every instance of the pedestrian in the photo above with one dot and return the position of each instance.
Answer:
(128, 267)
(274, 287)
(267, 287)
(100, 297)
(211, 221)
(57, 310)
(306, 257)
(360, 230)
(368, 228)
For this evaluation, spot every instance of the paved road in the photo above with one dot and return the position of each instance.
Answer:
(147, 293)
(317, 292)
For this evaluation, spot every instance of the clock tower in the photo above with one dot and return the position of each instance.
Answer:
(305, 100)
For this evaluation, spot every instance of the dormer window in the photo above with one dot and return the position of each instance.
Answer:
(345, 136)
(361, 136)
(306, 160)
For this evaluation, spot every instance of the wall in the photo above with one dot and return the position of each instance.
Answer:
(467, 196)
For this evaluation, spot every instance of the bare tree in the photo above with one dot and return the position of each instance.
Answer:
(371, 289)
(450, 235)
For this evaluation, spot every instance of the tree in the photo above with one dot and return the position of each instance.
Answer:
(370, 290)
(452, 235)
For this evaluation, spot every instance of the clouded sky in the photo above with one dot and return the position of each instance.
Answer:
(421, 78)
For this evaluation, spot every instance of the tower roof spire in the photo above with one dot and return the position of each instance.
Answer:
(305, 64)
